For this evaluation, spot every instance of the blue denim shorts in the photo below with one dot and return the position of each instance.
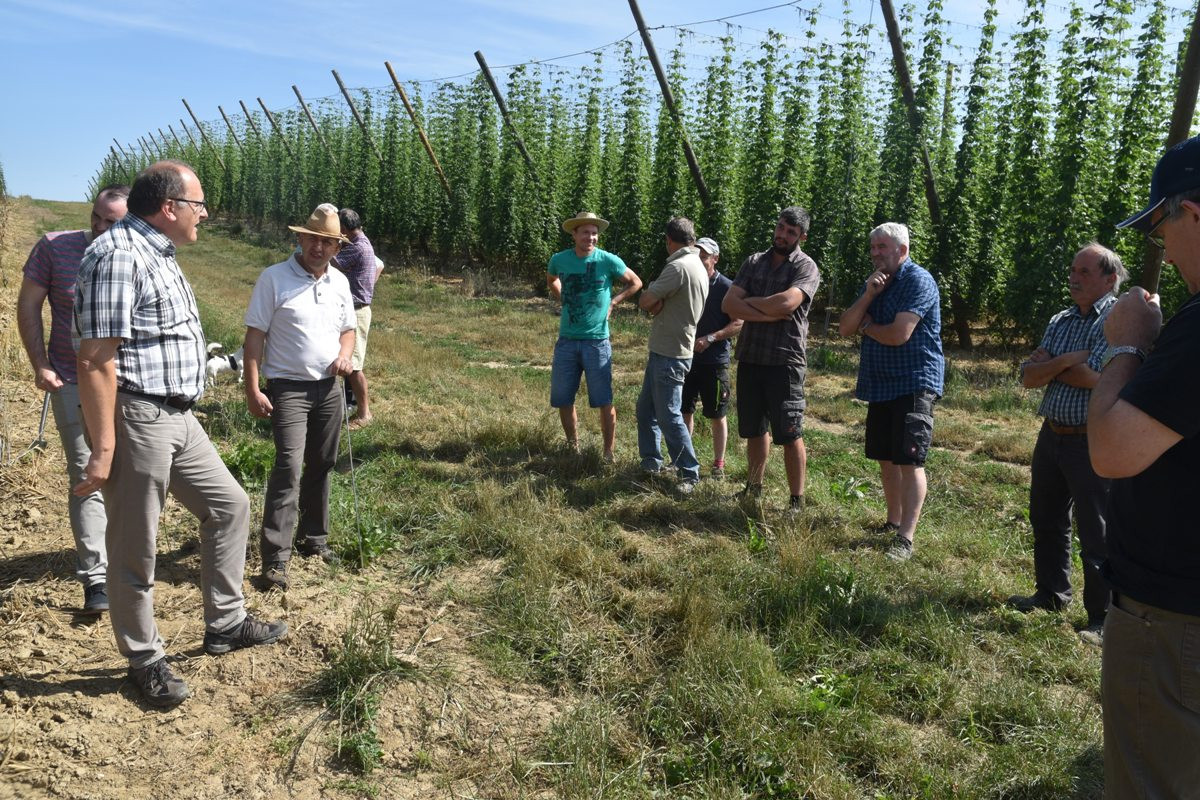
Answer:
(576, 357)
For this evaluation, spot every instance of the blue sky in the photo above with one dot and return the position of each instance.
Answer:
(80, 72)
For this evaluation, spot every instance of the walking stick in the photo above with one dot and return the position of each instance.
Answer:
(362, 561)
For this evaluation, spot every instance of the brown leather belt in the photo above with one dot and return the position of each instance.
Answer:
(1067, 430)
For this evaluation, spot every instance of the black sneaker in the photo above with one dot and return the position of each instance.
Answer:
(95, 599)
(275, 575)
(1028, 603)
(159, 685)
(247, 633)
(312, 549)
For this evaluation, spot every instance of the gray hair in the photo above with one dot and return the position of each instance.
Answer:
(1174, 204)
(681, 231)
(895, 231)
(1108, 262)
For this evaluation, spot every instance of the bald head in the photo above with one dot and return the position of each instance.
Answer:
(110, 206)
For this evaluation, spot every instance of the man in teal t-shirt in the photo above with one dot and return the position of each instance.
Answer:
(582, 278)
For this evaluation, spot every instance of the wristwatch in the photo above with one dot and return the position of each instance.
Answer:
(1113, 352)
(712, 337)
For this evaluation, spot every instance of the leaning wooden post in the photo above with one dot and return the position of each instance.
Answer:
(412, 114)
(313, 122)
(487, 73)
(152, 151)
(120, 164)
(232, 132)
(358, 117)
(1181, 121)
(162, 149)
(669, 99)
(910, 102)
(251, 123)
(191, 138)
(121, 150)
(275, 127)
(163, 136)
(204, 136)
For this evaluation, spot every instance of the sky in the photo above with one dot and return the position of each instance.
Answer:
(82, 72)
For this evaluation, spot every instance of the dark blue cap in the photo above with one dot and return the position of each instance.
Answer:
(1177, 172)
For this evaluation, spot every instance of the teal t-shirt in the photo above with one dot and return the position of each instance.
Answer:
(586, 291)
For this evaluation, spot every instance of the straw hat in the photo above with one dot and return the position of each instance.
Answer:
(585, 218)
(322, 222)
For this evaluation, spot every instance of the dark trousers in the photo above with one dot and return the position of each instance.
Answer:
(1063, 480)
(305, 423)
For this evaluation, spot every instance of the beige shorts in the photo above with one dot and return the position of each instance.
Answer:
(361, 329)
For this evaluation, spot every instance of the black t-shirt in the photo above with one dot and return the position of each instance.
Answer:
(712, 320)
(1154, 517)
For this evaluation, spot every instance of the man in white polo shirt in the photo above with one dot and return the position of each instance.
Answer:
(300, 328)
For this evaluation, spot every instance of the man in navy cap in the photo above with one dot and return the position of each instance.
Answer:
(1143, 430)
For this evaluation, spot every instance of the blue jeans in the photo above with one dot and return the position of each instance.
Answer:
(658, 410)
(574, 358)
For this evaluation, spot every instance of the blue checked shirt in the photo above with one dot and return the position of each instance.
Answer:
(886, 372)
(131, 288)
(1068, 331)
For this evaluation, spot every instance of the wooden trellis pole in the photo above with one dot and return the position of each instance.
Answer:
(162, 149)
(189, 135)
(204, 136)
(669, 99)
(1181, 122)
(120, 164)
(275, 127)
(122, 150)
(250, 122)
(358, 117)
(487, 74)
(412, 114)
(163, 136)
(153, 151)
(232, 132)
(313, 122)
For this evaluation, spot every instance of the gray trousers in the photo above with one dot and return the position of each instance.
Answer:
(1150, 692)
(1062, 480)
(306, 425)
(88, 520)
(161, 449)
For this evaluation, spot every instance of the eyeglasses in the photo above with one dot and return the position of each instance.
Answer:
(1156, 239)
(200, 204)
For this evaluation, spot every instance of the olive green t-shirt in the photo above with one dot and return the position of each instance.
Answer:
(683, 288)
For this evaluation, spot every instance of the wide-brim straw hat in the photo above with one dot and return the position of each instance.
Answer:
(585, 218)
(322, 222)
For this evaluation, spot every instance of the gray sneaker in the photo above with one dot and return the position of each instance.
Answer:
(717, 474)
(95, 599)
(1093, 635)
(901, 549)
(686, 486)
(275, 576)
(159, 685)
(247, 633)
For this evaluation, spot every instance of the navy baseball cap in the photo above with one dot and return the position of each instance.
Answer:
(1177, 172)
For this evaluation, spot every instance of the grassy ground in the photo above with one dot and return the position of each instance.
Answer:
(702, 649)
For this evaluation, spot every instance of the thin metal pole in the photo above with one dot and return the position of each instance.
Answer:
(412, 114)
(669, 99)
(358, 117)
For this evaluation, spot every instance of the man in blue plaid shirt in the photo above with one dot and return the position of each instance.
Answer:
(900, 370)
(1067, 363)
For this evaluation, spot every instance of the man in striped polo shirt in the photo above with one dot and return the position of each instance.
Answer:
(141, 356)
(1067, 363)
(50, 274)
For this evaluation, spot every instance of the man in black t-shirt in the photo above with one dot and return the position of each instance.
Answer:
(1144, 430)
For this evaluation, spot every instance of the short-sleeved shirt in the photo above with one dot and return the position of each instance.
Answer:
(682, 286)
(784, 341)
(130, 287)
(303, 317)
(586, 291)
(1068, 331)
(53, 264)
(1153, 533)
(712, 320)
(886, 372)
(356, 261)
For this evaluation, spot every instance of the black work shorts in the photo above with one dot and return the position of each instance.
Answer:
(710, 384)
(901, 430)
(770, 395)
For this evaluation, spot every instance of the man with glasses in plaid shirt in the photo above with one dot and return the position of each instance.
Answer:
(141, 356)
(1067, 363)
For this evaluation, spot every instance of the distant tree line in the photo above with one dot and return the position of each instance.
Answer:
(1032, 158)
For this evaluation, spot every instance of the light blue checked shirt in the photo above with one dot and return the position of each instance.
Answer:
(1069, 330)
(886, 372)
